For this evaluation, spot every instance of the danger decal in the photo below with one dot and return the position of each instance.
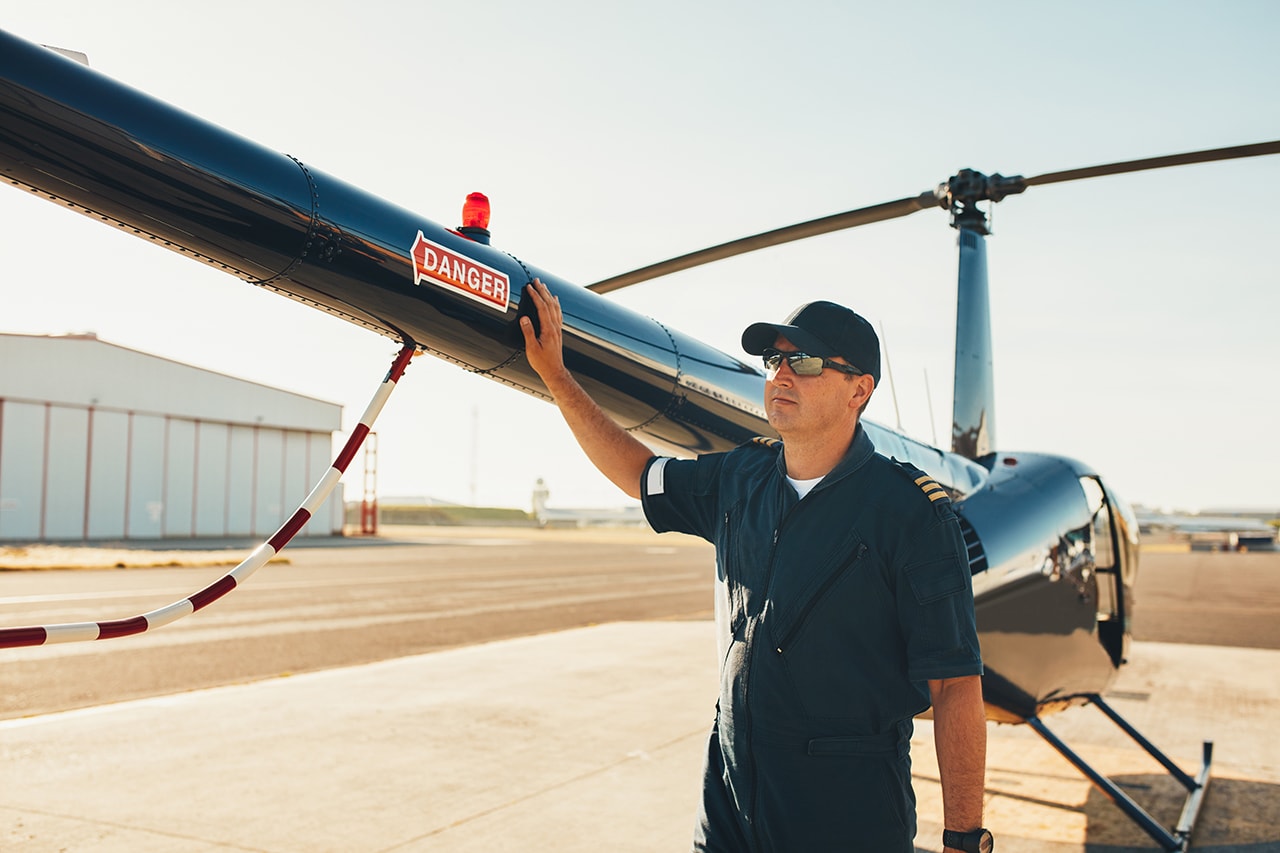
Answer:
(433, 262)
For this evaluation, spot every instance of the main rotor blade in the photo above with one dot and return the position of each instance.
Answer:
(905, 206)
(1233, 153)
(799, 231)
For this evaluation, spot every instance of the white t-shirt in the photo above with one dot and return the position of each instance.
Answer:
(803, 487)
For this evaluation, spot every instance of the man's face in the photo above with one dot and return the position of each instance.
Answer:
(812, 405)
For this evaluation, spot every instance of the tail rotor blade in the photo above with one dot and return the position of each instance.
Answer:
(799, 231)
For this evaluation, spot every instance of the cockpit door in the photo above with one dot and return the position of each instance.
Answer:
(1109, 544)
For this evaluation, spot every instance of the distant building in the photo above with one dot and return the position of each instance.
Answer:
(1218, 530)
(626, 516)
(98, 441)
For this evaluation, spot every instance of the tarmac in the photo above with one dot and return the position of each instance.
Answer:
(582, 740)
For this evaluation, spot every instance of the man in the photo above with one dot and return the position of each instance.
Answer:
(844, 603)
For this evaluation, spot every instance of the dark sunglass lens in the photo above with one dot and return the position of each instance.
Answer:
(806, 365)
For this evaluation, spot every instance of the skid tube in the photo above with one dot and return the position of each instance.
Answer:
(1180, 838)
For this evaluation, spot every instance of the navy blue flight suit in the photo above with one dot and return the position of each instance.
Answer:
(832, 614)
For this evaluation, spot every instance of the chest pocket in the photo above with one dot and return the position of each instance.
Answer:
(791, 619)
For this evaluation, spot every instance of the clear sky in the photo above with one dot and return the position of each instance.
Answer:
(1134, 316)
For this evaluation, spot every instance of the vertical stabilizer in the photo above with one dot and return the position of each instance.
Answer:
(973, 430)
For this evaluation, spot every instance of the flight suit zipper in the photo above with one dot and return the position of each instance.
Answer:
(751, 662)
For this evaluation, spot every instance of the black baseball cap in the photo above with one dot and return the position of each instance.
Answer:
(825, 329)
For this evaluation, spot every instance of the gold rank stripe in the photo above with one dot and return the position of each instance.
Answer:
(932, 489)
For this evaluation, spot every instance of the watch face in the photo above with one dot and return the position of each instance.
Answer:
(985, 842)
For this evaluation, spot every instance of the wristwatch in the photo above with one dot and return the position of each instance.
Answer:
(977, 841)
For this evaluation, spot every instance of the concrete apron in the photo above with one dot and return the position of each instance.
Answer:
(583, 740)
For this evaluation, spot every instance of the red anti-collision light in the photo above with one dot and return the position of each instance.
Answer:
(475, 213)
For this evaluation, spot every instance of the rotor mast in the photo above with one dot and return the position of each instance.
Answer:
(973, 429)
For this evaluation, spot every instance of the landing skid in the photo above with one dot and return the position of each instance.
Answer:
(1180, 838)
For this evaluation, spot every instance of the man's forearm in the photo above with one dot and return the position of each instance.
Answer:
(960, 738)
(614, 451)
(618, 454)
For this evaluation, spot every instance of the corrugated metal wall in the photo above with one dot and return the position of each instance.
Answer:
(70, 471)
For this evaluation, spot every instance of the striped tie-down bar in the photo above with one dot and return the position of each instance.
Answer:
(39, 635)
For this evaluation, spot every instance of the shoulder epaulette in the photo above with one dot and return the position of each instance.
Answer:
(934, 492)
(766, 442)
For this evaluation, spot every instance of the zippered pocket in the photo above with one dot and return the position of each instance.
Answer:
(832, 579)
(727, 551)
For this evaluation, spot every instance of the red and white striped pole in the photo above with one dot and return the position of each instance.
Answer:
(39, 635)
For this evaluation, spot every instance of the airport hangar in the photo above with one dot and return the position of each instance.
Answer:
(102, 442)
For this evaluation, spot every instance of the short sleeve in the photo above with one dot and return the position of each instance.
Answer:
(682, 495)
(935, 607)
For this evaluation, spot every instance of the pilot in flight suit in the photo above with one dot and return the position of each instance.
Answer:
(833, 611)
(844, 601)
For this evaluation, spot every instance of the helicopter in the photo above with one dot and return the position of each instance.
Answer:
(1053, 548)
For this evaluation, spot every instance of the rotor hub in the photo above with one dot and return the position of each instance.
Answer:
(962, 192)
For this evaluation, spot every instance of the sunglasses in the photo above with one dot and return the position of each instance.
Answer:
(802, 364)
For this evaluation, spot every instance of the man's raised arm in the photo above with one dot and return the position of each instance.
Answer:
(613, 450)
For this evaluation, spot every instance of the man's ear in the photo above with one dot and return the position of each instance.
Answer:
(863, 386)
